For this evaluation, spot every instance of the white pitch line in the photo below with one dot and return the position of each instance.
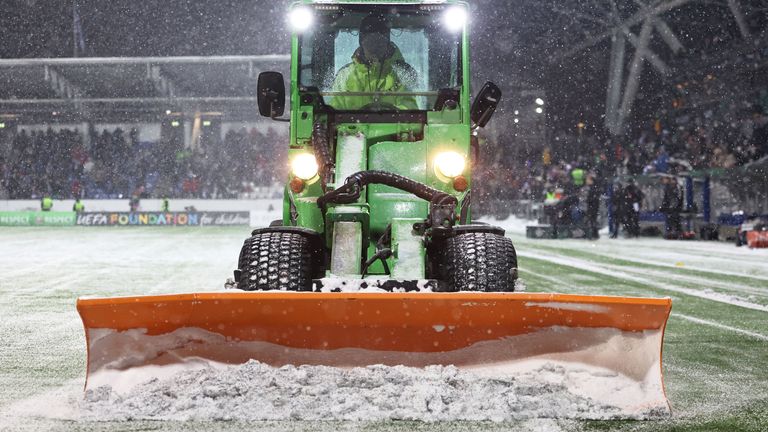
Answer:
(721, 326)
(730, 287)
(738, 289)
(687, 317)
(696, 267)
(587, 266)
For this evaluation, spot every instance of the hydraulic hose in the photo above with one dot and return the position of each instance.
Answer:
(353, 185)
(322, 150)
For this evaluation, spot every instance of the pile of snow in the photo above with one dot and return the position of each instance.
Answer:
(256, 391)
(512, 224)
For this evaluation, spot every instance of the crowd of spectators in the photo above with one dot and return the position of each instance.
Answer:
(115, 164)
(727, 136)
(709, 123)
(724, 137)
(715, 117)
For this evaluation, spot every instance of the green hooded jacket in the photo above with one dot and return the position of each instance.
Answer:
(46, 203)
(577, 174)
(391, 75)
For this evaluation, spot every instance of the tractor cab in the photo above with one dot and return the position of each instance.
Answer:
(383, 59)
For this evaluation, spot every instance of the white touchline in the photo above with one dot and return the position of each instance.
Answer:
(699, 267)
(731, 287)
(588, 266)
(722, 326)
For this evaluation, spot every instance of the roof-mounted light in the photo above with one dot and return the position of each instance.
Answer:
(455, 17)
(300, 19)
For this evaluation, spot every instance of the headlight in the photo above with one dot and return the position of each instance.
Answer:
(450, 164)
(304, 166)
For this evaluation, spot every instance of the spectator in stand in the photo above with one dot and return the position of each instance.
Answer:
(577, 176)
(722, 159)
(133, 203)
(113, 165)
(77, 188)
(661, 163)
(633, 162)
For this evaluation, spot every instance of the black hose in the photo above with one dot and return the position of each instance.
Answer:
(350, 191)
(322, 150)
(386, 238)
(381, 254)
(465, 208)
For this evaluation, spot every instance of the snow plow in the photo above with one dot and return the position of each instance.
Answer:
(376, 259)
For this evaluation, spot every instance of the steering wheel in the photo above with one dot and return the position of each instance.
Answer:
(380, 106)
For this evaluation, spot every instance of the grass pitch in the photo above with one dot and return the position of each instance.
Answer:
(715, 351)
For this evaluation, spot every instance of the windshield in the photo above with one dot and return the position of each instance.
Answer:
(360, 60)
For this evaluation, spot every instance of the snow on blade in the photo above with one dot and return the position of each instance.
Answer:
(602, 374)
(256, 391)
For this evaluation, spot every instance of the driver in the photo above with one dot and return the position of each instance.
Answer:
(377, 66)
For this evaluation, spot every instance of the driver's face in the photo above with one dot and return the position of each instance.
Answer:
(375, 46)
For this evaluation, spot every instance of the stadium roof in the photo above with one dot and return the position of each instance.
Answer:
(107, 88)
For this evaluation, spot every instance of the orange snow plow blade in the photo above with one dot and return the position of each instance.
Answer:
(491, 334)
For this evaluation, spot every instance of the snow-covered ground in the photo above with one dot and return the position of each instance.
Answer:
(720, 296)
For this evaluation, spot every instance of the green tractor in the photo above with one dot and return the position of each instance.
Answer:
(382, 147)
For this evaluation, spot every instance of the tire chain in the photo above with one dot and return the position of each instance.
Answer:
(478, 262)
(276, 261)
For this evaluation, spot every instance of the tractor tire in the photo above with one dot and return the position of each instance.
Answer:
(478, 262)
(276, 261)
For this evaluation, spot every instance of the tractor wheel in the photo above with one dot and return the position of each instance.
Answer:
(276, 261)
(478, 262)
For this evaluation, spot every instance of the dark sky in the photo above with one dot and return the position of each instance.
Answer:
(43, 28)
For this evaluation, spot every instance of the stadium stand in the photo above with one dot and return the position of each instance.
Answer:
(117, 164)
(182, 127)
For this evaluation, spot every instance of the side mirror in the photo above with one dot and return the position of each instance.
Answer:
(270, 92)
(485, 104)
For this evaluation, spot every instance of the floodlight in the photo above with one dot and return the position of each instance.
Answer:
(300, 19)
(454, 18)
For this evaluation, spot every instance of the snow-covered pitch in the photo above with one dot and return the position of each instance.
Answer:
(715, 353)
